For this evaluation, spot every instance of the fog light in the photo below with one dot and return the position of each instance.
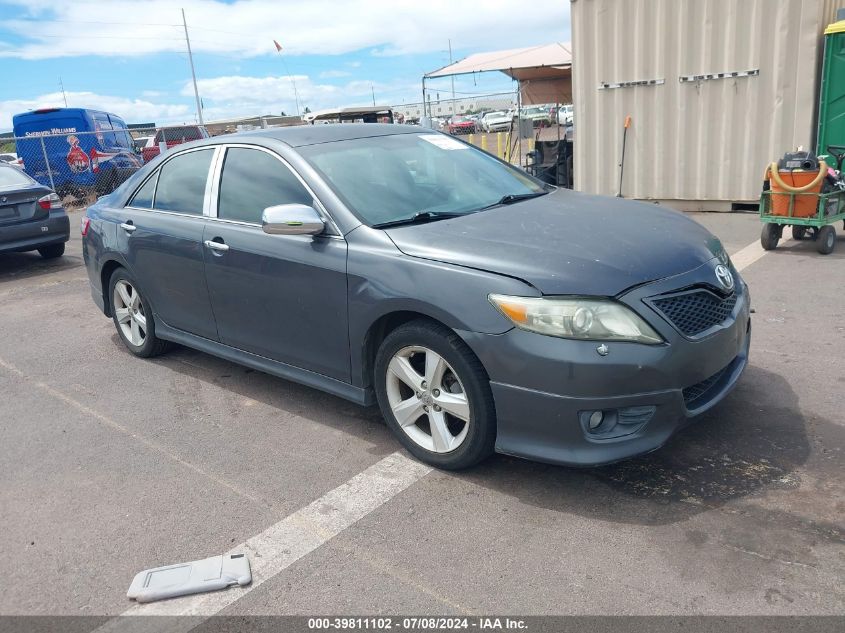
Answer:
(596, 419)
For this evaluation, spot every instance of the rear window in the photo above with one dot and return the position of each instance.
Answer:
(179, 134)
(181, 182)
(13, 177)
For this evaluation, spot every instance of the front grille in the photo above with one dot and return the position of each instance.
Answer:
(698, 394)
(695, 311)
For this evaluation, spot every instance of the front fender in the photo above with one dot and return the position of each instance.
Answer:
(382, 281)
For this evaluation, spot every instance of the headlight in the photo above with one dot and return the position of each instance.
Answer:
(576, 317)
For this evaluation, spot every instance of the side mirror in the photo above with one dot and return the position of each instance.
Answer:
(292, 219)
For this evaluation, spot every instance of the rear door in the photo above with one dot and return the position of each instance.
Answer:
(279, 296)
(160, 231)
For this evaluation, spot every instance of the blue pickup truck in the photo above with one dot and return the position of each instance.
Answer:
(86, 150)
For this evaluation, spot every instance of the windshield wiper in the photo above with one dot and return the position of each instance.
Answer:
(420, 217)
(510, 198)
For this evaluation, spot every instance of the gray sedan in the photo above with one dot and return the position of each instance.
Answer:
(480, 309)
(32, 217)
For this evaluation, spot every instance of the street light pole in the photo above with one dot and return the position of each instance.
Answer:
(193, 74)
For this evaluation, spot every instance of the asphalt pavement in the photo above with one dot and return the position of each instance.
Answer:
(112, 464)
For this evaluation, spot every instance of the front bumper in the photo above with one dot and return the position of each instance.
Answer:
(28, 236)
(545, 388)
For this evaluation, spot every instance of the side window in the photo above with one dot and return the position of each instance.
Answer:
(143, 198)
(240, 199)
(181, 182)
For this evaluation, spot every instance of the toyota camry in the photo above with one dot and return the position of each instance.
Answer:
(479, 308)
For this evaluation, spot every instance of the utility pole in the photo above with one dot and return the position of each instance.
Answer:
(193, 74)
(453, 78)
(62, 85)
(291, 77)
(374, 93)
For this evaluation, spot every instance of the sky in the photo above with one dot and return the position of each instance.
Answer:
(129, 57)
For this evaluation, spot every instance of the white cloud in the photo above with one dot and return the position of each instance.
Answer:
(247, 27)
(131, 110)
(236, 95)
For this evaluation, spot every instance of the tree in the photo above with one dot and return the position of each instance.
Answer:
(283, 113)
(307, 110)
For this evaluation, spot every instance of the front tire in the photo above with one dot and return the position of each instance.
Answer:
(799, 232)
(133, 318)
(770, 236)
(52, 251)
(435, 396)
(826, 241)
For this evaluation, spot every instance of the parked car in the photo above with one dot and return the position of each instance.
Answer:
(461, 125)
(31, 215)
(172, 136)
(481, 309)
(143, 141)
(565, 114)
(498, 121)
(11, 159)
(87, 150)
(538, 115)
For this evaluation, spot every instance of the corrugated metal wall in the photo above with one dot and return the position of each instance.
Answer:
(700, 141)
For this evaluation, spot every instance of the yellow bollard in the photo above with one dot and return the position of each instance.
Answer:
(499, 144)
(531, 144)
(484, 142)
(472, 139)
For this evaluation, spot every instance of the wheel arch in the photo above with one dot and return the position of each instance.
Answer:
(379, 330)
(107, 268)
(382, 327)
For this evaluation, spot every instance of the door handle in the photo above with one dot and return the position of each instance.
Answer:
(216, 246)
(128, 227)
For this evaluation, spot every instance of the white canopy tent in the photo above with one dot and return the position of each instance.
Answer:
(544, 72)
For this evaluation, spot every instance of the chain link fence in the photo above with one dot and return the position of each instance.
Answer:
(80, 166)
(490, 122)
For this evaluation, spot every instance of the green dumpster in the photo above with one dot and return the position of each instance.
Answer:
(832, 95)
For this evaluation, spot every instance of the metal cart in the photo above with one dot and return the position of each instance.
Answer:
(830, 208)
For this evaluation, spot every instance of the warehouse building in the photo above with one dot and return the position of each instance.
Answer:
(716, 89)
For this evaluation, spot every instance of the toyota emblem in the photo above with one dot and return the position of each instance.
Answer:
(726, 279)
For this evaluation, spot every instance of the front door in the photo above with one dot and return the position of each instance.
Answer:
(279, 296)
(162, 228)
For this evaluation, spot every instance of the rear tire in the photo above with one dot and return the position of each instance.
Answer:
(799, 232)
(133, 318)
(423, 351)
(826, 241)
(52, 251)
(770, 236)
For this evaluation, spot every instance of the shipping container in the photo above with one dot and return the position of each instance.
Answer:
(716, 90)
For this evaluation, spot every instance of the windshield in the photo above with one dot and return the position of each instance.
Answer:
(390, 178)
(13, 177)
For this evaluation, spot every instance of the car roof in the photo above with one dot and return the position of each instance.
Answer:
(300, 135)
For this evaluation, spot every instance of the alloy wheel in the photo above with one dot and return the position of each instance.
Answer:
(129, 312)
(427, 399)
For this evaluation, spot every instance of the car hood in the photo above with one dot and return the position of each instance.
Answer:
(567, 243)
